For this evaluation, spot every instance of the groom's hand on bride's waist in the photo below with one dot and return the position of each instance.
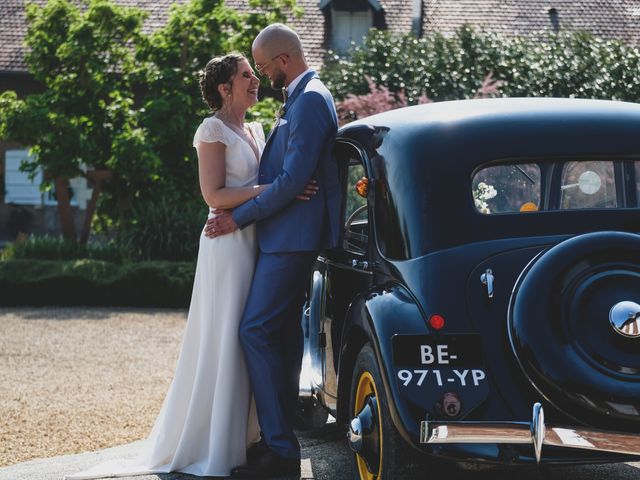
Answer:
(221, 224)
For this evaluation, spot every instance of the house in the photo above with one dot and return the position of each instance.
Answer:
(325, 25)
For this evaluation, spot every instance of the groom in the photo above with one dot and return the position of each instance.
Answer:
(289, 234)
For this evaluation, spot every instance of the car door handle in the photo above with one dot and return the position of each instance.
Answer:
(487, 280)
(360, 264)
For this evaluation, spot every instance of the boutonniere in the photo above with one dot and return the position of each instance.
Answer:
(279, 114)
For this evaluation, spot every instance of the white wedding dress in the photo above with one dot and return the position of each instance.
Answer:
(208, 417)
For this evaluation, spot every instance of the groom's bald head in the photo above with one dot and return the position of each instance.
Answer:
(278, 54)
(278, 38)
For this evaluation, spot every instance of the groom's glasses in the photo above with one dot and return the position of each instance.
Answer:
(260, 68)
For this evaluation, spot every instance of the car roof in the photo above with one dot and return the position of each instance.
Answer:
(499, 110)
(509, 128)
(427, 155)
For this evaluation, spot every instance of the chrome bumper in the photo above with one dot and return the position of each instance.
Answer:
(536, 433)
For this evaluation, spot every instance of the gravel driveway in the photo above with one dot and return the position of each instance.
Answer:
(79, 379)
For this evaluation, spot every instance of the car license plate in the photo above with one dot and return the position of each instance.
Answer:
(438, 350)
(427, 368)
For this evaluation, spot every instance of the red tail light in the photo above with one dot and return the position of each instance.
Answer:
(436, 322)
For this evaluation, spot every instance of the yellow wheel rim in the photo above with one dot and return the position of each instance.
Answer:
(367, 388)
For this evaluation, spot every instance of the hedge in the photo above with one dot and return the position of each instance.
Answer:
(96, 283)
(573, 64)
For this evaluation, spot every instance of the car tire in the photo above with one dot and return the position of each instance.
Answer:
(561, 332)
(396, 458)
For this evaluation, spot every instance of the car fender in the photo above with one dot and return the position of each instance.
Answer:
(376, 317)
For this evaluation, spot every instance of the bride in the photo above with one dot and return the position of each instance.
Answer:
(208, 418)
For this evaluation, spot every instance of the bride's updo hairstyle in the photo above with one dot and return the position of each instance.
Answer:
(219, 71)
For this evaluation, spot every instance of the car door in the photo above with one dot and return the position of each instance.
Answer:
(341, 273)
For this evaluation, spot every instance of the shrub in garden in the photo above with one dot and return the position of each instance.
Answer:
(57, 248)
(164, 227)
(95, 282)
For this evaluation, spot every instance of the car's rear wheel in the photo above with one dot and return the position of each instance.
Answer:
(378, 450)
(574, 321)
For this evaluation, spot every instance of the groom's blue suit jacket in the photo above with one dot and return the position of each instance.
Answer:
(298, 149)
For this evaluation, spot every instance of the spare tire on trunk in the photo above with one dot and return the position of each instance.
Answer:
(574, 326)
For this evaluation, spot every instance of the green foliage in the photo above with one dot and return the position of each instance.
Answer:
(172, 108)
(56, 248)
(170, 60)
(265, 113)
(86, 114)
(96, 282)
(122, 100)
(164, 229)
(560, 65)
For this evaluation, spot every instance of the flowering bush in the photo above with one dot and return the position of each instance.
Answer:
(380, 99)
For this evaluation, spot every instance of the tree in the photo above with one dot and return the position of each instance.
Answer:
(84, 120)
(170, 60)
(172, 108)
(122, 102)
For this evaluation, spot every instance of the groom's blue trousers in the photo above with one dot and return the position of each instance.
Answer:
(271, 337)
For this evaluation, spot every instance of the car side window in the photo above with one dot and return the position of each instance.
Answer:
(507, 188)
(589, 184)
(356, 234)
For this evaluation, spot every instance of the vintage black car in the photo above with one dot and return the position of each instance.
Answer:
(484, 303)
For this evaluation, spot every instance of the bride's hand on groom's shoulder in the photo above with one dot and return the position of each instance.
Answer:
(310, 189)
(221, 224)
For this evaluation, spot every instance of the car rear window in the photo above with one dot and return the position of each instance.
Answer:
(588, 185)
(558, 185)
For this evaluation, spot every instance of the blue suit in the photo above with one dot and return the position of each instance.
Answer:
(290, 232)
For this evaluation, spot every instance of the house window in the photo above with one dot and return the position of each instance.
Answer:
(554, 19)
(78, 193)
(349, 27)
(19, 188)
(350, 20)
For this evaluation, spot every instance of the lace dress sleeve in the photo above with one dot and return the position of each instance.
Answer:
(211, 130)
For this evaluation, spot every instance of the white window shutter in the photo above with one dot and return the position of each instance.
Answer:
(19, 189)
